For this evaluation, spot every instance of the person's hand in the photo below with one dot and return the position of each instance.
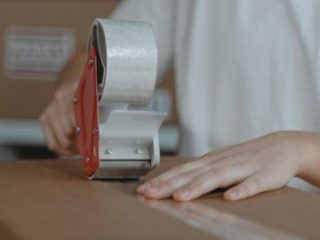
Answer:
(58, 121)
(249, 168)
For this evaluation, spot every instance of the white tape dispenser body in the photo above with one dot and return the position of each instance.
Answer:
(115, 140)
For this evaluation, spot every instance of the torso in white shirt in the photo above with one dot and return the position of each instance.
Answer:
(243, 68)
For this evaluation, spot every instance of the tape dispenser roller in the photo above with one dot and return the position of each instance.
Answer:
(116, 140)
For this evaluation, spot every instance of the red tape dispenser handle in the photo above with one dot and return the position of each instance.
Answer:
(87, 115)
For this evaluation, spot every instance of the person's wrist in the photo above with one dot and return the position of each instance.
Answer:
(309, 153)
(299, 148)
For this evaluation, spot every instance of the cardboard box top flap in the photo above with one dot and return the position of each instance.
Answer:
(54, 194)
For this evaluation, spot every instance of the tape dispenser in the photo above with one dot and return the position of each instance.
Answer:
(116, 137)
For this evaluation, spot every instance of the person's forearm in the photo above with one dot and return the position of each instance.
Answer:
(72, 70)
(310, 167)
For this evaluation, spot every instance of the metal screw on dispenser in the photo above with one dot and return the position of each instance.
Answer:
(138, 151)
(91, 62)
(95, 131)
(78, 129)
(109, 151)
(75, 100)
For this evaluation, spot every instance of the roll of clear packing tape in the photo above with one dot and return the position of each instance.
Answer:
(127, 61)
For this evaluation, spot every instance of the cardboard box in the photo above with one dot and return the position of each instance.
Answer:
(51, 199)
(37, 38)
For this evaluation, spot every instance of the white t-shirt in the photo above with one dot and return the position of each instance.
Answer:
(243, 68)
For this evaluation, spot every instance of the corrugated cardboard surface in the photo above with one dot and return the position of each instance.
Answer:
(26, 97)
(51, 199)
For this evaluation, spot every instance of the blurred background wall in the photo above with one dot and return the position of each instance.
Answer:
(37, 40)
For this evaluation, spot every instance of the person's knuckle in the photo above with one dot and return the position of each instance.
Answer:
(43, 118)
(214, 173)
(50, 110)
(244, 189)
(222, 172)
(65, 144)
(189, 165)
(197, 185)
(72, 115)
(166, 185)
(53, 146)
(155, 181)
(253, 186)
(69, 131)
(256, 182)
(171, 173)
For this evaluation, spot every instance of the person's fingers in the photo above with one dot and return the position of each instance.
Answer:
(62, 143)
(72, 118)
(67, 118)
(205, 160)
(65, 123)
(216, 157)
(58, 121)
(213, 179)
(166, 188)
(255, 184)
(74, 148)
(49, 136)
(57, 127)
(178, 170)
(63, 110)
